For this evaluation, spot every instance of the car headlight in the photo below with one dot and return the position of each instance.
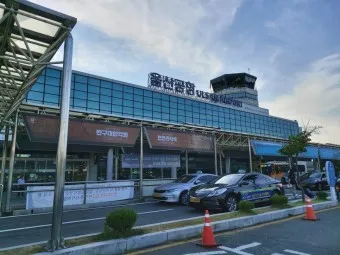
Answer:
(171, 190)
(217, 193)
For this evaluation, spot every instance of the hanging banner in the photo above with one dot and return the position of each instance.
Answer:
(151, 161)
(45, 128)
(42, 196)
(175, 140)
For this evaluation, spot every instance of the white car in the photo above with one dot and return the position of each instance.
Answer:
(178, 191)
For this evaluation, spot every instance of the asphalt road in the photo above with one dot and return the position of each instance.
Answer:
(20, 230)
(27, 229)
(287, 237)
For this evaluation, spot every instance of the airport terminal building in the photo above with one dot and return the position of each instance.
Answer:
(185, 130)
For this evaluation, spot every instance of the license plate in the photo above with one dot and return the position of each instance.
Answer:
(156, 195)
(195, 200)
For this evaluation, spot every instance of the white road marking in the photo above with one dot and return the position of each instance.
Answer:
(207, 253)
(277, 253)
(239, 250)
(76, 210)
(242, 247)
(296, 252)
(75, 221)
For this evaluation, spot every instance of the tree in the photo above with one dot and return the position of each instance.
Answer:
(297, 144)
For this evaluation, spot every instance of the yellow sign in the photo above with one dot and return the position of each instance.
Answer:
(195, 200)
(156, 195)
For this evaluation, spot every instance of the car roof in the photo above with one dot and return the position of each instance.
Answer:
(200, 174)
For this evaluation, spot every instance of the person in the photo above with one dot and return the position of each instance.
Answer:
(21, 182)
(291, 177)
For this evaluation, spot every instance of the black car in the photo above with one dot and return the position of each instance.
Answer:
(226, 191)
(315, 181)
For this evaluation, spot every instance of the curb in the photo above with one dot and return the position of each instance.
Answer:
(119, 246)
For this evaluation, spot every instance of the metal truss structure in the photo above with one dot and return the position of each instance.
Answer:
(30, 36)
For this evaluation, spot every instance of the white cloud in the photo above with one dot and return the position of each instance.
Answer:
(169, 30)
(314, 99)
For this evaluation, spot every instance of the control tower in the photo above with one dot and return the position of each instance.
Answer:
(238, 86)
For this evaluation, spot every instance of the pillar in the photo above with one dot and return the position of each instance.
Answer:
(215, 155)
(227, 165)
(11, 164)
(250, 157)
(57, 241)
(109, 165)
(173, 173)
(3, 165)
(93, 169)
(221, 167)
(186, 162)
(116, 163)
(141, 161)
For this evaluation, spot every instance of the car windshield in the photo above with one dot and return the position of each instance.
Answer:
(230, 179)
(315, 175)
(184, 179)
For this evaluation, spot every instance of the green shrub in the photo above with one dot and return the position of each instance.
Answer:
(120, 222)
(246, 206)
(322, 195)
(279, 201)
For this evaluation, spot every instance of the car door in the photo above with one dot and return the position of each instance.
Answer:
(263, 188)
(248, 189)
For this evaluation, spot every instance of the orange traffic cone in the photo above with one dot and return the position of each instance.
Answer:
(208, 239)
(310, 215)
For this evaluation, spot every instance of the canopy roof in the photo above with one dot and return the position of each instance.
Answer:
(30, 35)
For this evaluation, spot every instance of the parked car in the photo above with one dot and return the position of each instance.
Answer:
(178, 191)
(315, 181)
(226, 191)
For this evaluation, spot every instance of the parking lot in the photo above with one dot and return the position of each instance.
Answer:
(286, 237)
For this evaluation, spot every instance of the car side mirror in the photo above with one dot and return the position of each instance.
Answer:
(197, 182)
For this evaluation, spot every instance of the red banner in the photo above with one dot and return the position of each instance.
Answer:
(175, 140)
(45, 128)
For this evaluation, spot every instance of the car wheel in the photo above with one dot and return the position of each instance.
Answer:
(283, 181)
(184, 198)
(231, 203)
(319, 187)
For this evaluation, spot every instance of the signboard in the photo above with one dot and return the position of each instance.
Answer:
(157, 81)
(330, 172)
(42, 196)
(45, 128)
(151, 161)
(174, 140)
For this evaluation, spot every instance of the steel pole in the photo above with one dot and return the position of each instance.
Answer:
(186, 162)
(11, 165)
(250, 157)
(141, 159)
(221, 167)
(3, 165)
(215, 155)
(57, 241)
(116, 163)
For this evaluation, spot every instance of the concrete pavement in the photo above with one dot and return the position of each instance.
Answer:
(286, 237)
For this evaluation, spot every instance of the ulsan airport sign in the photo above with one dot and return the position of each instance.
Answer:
(172, 85)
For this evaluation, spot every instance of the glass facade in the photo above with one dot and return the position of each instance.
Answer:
(95, 95)
(241, 95)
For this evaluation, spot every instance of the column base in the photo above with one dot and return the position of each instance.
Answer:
(53, 245)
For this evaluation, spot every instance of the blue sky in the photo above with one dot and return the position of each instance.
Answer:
(292, 46)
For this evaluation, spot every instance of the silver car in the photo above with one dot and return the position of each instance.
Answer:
(177, 191)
